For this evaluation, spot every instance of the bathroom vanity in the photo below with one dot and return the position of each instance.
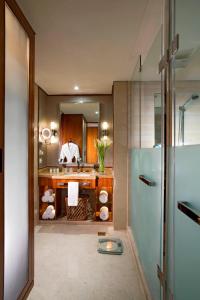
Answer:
(69, 128)
(91, 183)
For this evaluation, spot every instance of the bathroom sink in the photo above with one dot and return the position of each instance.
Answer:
(79, 174)
(75, 175)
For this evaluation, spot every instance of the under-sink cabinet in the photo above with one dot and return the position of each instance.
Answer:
(89, 189)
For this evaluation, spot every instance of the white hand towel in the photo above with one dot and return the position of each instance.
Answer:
(73, 191)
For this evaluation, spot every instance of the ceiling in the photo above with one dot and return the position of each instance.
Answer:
(88, 43)
(89, 110)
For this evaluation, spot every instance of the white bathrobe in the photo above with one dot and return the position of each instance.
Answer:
(69, 150)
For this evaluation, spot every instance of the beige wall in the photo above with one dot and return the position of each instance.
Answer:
(120, 98)
(49, 106)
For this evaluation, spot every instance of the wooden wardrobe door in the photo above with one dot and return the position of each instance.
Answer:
(92, 135)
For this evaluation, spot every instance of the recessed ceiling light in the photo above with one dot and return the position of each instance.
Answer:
(76, 87)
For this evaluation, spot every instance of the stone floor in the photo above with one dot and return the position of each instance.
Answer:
(68, 266)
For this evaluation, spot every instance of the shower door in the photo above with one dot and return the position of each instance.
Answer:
(16, 152)
(146, 157)
(185, 152)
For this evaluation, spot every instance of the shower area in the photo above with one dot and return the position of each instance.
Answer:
(164, 156)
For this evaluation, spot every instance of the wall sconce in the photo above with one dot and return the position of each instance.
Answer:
(49, 135)
(105, 131)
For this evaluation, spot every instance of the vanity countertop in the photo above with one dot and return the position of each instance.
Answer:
(76, 175)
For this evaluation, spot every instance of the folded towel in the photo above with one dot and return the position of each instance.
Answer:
(103, 196)
(73, 191)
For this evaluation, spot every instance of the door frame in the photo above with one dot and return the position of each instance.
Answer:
(31, 35)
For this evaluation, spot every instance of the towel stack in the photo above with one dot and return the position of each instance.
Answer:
(48, 196)
(49, 213)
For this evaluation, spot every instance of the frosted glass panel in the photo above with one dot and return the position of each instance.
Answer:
(146, 213)
(187, 232)
(16, 158)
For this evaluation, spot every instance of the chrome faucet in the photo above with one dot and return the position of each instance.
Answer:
(79, 163)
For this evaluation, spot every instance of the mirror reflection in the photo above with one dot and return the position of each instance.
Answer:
(157, 119)
(79, 129)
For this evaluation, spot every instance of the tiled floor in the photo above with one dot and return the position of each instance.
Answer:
(68, 266)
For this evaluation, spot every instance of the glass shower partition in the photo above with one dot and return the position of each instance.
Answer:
(184, 237)
(146, 157)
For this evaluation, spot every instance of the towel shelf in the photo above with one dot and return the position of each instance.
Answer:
(147, 181)
(189, 210)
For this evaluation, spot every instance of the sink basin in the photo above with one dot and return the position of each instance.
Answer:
(79, 174)
(74, 175)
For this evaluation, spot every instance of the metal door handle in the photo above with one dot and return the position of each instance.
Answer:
(190, 211)
(146, 180)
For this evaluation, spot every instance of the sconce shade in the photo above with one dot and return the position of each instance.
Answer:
(104, 125)
(53, 126)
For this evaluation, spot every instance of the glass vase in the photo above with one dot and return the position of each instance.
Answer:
(101, 164)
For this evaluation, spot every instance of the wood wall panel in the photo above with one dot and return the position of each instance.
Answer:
(92, 135)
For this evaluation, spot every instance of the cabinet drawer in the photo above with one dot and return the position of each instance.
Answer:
(85, 184)
(105, 182)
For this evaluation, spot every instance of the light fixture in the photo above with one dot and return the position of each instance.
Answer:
(76, 87)
(53, 125)
(104, 127)
(81, 101)
(96, 112)
(49, 135)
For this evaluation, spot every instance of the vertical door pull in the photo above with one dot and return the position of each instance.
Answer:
(190, 211)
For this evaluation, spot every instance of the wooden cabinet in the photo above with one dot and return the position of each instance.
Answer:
(92, 135)
(59, 185)
(107, 185)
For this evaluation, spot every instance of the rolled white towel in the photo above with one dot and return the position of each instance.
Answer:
(49, 213)
(44, 199)
(48, 192)
(103, 196)
(45, 215)
(52, 214)
(50, 198)
(104, 213)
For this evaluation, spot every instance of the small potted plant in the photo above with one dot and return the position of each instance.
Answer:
(102, 146)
